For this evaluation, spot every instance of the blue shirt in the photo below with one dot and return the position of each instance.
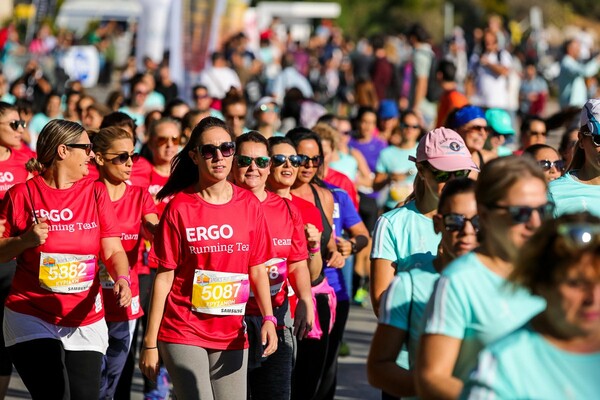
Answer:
(571, 196)
(524, 365)
(477, 306)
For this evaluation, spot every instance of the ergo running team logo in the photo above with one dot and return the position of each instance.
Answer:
(6, 177)
(63, 215)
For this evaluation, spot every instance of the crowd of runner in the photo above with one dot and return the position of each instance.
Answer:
(233, 232)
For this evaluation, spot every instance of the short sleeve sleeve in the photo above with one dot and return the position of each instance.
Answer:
(422, 62)
(106, 212)
(380, 167)
(299, 250)
(350, 216)
(395, 303)
(167, 241)
(486, 382)
(384, 240)
(446, 312)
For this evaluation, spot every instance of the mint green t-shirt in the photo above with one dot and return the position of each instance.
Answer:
(571, 196)
(524, 365)
(473, 304)
(405, 237)
(403, 304)
(394, 160)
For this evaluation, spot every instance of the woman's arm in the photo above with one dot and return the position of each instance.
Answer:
(259, 282)
(149, 359)
(382, 370)
(299, 278)
(382, 273)
(12, 247)
(117, 264)
(150, 221)
(436, 359)
(335, 258)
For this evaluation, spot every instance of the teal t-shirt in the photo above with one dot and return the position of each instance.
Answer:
(571, 196)
(346, 164)
(394, 160)
(473, 304)
(524, 365)
(405, 237)
(37, 123)
(138, 118)
(403, 304)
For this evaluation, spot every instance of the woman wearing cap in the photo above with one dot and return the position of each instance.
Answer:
(499, 126)
(266, 117)
(271, 378)
(57, 225)
(210, 246)
(548, 158)
(470, 123)
(557, 354)
(471, 305)
(403, 305)
(577, 190)
(404, 238)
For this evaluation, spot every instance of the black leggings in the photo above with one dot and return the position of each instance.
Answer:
(53, 373)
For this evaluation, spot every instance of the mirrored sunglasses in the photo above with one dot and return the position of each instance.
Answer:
(454, 222)
(246, 161)
(280, 159)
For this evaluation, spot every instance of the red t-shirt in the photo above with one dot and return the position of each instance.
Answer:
(343, 182)
(157, 181)
(25, 151)
(58, 281)
(309, 212)
(286, 232)
(130, 209)
(211, 248)
(12, 171)
(141, 173)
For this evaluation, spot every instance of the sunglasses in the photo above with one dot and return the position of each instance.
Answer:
(15, 124)
(316, 160)
(209, 151)
(85, 146)
(279, 159)
(536, 133)
(140, 93)
(405, 126)
(201, 96)
(579, 235)
(265, 108)
(245, 161)
(121, 158)
(547, 164)
(445, 176)
(456, 222)
(162, 140)
(595, 138)
(522, 214)
(479, 128)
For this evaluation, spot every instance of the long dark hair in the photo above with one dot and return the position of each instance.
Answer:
(184, 172)
(299, 134)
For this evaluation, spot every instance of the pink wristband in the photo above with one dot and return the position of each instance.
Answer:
(270, 318)
(314, 250)
(125, 278)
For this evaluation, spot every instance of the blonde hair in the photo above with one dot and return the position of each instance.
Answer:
(105, 137)
(55, 133)
(327, 133)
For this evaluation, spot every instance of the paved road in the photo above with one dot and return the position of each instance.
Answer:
(352, 377)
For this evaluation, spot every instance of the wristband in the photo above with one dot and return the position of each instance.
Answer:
(270, 318)
(150, 348)
(125, 278)
(314, 250)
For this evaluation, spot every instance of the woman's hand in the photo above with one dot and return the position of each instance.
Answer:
(343, 246)
(37, 234)
(150, 362)
(336, 260)
(268, 336)
(313, 236)
(122, 292)
(304, 319)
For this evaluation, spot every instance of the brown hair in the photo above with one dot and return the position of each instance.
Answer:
(105, 137)
(55, 133)
(549, 254)
(327, 133)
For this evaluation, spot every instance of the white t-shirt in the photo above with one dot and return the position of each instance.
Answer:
(492, 89)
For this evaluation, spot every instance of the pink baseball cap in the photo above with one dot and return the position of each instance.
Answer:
(445, 150)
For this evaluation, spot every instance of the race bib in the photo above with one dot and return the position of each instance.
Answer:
(277, 272)
(220, 293)
(106, 280)
(66, 273)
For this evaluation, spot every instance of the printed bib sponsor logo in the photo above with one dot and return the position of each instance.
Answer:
(213, 232)
(66, 273)
(277, 272)
(220, 293)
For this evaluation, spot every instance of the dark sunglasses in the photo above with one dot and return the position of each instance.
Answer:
(522, 214)
(479, 128)
(162, 140)
(456, 222)
(403, 125)
(209, 151)
(245, 161)
(445, 176)
(15, 124)
(536, 133)
(85, 146)
(547, 164)
(279, 159)
(121, 158)
(316, 160)
(595, 138)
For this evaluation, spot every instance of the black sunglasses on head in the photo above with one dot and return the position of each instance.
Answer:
(279, 159)
(121, 158)
(522, 214)
(209, 151)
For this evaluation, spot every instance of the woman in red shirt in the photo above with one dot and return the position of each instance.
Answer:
(56, 225)
(134, 209)
(271, 378)
(211, 246)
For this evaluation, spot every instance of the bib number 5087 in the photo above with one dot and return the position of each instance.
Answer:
(218, 292)
(70, 271)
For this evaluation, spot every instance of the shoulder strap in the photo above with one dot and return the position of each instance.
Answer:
(288, 207)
